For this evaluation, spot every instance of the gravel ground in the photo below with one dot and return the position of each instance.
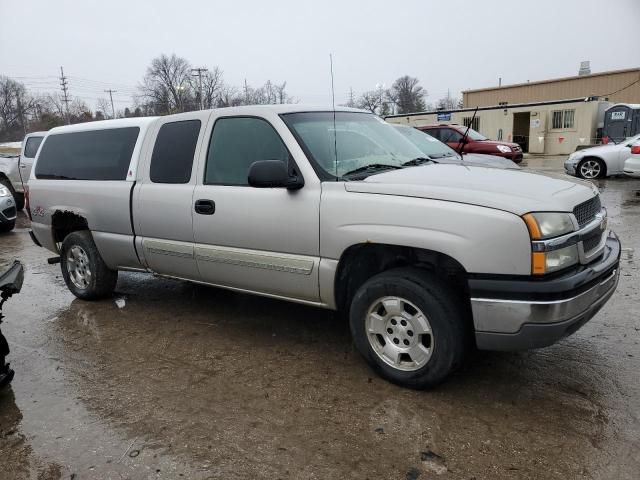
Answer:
(174, 380)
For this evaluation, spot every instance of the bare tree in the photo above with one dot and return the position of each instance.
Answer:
(103, 105)
(212, 83)
(408, 94)
(16, 108)
(371, 100)
(447, 103)
(166, 85)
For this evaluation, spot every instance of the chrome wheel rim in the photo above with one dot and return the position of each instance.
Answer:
(590, 169)
(78, 267)
(399, 333)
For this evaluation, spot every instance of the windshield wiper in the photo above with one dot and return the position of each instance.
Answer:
(418, 161)
(374, 167)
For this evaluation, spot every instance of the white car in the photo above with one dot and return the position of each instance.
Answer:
(632, 164)
(601, 161)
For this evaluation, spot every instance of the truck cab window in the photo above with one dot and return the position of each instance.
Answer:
(31, 148)
(88, 155)
(172, 158)
(238, 142)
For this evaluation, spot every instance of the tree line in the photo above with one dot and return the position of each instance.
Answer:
(172, 85)
(405, 95)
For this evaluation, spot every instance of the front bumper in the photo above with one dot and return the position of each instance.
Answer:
(570, 168)
(524, 314)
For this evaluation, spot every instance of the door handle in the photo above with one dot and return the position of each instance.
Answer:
(22, 165)
(205, 207)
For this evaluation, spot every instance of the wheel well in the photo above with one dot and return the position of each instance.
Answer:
(64, 223)
(592, 157)
(362, 261)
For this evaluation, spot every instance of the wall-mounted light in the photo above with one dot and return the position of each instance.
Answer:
(505, 111)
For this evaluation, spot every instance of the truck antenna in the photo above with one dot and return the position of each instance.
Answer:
(333, 103)
(466, 132)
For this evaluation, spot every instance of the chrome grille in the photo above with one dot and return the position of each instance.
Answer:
(586, 211)
(588, 244)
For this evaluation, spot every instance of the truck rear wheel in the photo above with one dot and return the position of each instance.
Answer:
(83, 269)
(409, 327)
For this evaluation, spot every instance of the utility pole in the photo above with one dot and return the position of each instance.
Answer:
(111, 92)
(246, 92)
(65, 91)
(197, 72)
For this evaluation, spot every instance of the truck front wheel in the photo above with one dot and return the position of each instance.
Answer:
(83, 269)
(409, 327)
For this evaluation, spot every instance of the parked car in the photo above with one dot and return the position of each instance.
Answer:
(15, 170)
(452, 135)
(442, 153)
(601, 161)
(632, 164)
(7, 210)
(334, 209)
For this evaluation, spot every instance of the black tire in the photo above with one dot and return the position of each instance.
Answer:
(17, 197)
(102, 281)
(7, 226)
(447, 315)
(602, 173)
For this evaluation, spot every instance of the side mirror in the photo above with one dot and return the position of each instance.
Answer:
(272, 174)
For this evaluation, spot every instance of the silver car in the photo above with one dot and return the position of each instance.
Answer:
(7, 210)
(601, 161)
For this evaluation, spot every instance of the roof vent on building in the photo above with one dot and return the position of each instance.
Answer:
(585, 68)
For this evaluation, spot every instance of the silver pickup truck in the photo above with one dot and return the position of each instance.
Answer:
(334, 209)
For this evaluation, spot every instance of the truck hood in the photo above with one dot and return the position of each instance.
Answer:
(515, 191)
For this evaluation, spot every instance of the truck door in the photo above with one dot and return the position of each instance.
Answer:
(162, 205)
(263, 240)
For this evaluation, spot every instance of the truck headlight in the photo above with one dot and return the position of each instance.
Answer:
(543, 225)
(547, 257)
(554, 260)
(504, 148)
(4, 192)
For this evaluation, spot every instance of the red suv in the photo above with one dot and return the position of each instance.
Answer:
(474, 143)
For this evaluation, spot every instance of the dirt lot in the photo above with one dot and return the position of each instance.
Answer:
(174, 380)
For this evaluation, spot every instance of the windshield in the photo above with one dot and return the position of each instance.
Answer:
(427, 144)
(473, 135)
(360, 139)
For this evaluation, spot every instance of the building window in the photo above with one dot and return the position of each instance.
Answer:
(474, 125)
(563, 119)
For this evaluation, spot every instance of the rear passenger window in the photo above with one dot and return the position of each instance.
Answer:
(31, 148)
(238, 142)
(93, 155)
(173, 152)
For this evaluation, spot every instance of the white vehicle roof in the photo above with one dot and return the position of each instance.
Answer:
(104, 125)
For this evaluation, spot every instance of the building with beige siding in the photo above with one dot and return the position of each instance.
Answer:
(550, 117)
(617, 86)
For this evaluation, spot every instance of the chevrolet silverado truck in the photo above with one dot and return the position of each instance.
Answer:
(334, 209)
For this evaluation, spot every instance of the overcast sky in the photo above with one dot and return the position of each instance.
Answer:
(449, 44)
